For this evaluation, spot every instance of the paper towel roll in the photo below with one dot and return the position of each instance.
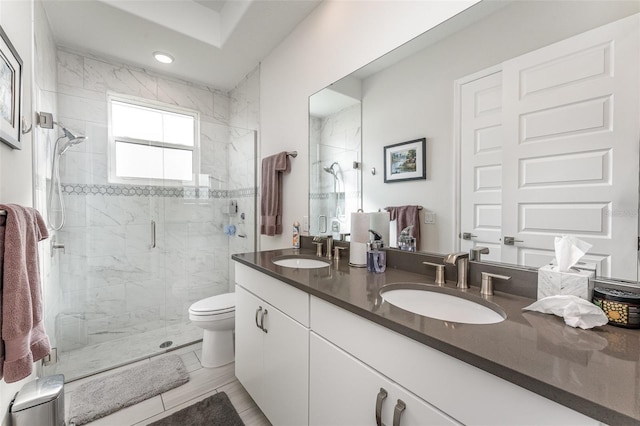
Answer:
(359, 239)
(358, 254)
(379, 222)
(360, 227)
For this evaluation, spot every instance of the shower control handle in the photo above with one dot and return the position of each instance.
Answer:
(56, 246)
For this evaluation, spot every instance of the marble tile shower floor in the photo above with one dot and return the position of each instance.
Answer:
(203, 382)
(102, 356)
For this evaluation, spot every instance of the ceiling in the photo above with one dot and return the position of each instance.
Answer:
(214, 42)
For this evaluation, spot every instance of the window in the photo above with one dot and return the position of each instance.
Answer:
(151, 141)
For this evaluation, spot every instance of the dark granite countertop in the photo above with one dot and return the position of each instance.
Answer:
(595, 372)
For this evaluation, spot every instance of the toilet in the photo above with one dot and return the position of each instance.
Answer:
(216, 315)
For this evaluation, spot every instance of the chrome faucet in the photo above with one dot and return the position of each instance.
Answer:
(462, 261)
(329, 246)
(477, 252)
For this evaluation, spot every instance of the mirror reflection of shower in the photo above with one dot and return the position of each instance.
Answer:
(59, 148)
(335, 171)
(338, 195)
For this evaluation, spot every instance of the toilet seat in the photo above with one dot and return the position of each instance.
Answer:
(214, 305)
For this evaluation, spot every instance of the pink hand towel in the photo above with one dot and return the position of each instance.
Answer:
(271, 193)
(405, 216)
(24, 340)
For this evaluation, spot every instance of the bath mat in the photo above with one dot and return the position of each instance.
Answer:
(214, 410)
(103, 396)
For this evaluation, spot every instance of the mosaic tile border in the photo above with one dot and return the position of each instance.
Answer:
(154, 191)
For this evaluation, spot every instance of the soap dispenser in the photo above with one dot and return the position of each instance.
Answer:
(376, 256)
(406, 242)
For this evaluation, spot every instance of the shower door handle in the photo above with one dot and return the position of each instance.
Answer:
(153, 234)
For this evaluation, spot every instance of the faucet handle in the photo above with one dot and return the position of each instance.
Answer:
(439, 272)
(318, 247)
(487, 282)
(336, 252)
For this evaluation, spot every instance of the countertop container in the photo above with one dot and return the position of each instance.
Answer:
(621, 307)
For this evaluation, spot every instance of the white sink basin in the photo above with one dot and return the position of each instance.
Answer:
(300, 262)
(439, 303)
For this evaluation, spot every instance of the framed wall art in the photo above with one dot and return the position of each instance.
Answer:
(405, 161)
(10, 92)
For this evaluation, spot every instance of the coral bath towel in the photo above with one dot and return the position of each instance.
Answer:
(24, 340)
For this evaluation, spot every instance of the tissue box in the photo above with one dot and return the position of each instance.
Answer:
(578, 282)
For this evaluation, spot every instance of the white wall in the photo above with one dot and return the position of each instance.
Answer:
(15, 165)
(414, 99)
(335, 39)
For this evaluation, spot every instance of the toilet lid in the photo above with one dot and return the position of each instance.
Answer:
(221, 303)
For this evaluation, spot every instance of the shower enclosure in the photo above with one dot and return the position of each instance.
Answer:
(129, 260)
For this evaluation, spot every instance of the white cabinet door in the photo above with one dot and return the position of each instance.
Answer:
(344, 391)
(249, 359)
(272, 362)
(481, 141)
(286, 370)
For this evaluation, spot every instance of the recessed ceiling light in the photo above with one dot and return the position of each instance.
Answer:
(165, 58)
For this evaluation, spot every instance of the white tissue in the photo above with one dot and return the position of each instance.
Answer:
(576, 312)
(569, 250)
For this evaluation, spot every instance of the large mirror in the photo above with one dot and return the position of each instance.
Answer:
(527, 136)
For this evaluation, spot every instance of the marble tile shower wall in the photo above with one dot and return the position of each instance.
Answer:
(112, 283)
(337, 138)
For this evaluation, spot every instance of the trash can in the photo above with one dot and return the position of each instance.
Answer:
(40, 403)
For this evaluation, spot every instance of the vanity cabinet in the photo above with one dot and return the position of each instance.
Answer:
(272, 347)
(307, 361)
(345, 391)
(439, 384)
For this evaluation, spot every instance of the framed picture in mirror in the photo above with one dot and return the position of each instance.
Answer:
(405, 161)
(10, 92)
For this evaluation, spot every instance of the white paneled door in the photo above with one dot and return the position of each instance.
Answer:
(481, 158)
(568, 151)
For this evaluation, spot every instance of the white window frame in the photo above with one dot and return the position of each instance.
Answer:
(195, 149)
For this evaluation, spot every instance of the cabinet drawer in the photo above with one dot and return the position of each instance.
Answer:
(464, 392)
(288, 299)
(344, 391)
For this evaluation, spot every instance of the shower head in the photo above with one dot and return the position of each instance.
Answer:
(330, 169)
(72, 139)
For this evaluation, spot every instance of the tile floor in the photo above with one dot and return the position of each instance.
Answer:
(203, 382)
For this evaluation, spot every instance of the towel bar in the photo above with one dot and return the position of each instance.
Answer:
(3, 212)
(419, 208)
